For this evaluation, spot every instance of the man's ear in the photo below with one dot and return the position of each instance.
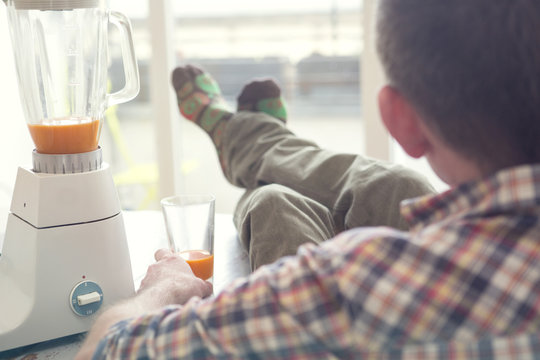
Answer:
(402, 122)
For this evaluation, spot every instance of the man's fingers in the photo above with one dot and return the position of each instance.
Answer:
(209, 289)
(161, 253)
(181, 264)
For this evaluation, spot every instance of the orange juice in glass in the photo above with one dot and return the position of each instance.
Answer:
(189, 220)
(200, 261)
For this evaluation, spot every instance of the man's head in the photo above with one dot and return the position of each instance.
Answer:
(471, 71)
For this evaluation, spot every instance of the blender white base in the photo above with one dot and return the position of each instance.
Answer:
(39, 268)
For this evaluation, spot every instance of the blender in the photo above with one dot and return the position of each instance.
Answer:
(65, 254)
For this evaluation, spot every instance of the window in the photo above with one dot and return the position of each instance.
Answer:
(312, 49)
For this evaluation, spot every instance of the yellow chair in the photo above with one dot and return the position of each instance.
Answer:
(145, 174)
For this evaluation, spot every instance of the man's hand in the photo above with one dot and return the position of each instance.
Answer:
(171, 279)
(168, 281)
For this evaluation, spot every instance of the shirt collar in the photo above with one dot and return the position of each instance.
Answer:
(507, 190)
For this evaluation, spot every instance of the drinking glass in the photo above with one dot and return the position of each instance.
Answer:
(189, 220)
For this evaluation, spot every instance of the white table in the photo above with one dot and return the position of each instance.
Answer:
(146, 233)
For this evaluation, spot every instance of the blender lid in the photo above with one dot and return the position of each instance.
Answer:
(55, 4)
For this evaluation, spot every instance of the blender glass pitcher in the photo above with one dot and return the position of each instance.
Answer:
(61, 56)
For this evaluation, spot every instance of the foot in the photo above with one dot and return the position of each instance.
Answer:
(199, 100)
(264, 96)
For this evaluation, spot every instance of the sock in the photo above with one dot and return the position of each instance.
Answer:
(199, 100)
(264, 96)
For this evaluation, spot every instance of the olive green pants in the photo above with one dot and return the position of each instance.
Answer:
(297, 192)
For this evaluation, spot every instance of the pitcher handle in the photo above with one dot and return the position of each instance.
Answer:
(131, 70)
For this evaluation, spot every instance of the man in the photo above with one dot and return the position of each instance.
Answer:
(463, 91)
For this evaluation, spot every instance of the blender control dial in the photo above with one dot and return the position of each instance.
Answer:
(86, 298)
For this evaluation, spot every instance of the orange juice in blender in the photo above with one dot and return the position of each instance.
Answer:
(66, 136)
(63, 70)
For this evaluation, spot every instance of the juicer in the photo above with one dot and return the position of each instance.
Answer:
(65, 254)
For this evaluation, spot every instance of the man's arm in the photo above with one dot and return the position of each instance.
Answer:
(299, 306)
(168, 281)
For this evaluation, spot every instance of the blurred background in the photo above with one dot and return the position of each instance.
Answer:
(320, 53)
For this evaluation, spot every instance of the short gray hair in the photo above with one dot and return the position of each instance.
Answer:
(472, 70)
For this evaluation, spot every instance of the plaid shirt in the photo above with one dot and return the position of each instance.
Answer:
(464, 282)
